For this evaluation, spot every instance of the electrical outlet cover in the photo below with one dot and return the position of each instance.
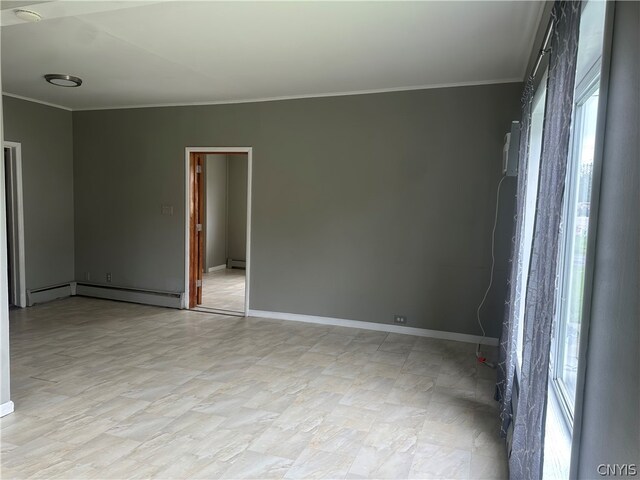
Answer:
(400, 319)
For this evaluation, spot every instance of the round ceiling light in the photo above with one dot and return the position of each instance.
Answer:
(62, 80)
(27, 15)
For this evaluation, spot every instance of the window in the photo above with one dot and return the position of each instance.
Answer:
(531, 196)
(576, 230)
(576, 212)
(563, 366)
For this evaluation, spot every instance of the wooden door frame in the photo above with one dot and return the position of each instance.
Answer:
(16, 231)
(188, 228)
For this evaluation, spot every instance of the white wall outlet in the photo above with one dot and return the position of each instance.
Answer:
(400, 319)
(108, 277)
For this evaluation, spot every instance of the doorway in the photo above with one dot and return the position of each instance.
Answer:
(218, 227)
(12, 165)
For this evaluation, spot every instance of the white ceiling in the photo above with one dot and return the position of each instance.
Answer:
(138, 53)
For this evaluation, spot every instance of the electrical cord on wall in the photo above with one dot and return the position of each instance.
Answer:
(481, 358)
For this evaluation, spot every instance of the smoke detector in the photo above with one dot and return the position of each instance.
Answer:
(27, 15)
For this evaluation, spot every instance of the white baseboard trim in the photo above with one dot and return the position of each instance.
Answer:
(231, 263)
(123, 294)
(6, 408)
(47, 294)
(380, 327)
(216, 268)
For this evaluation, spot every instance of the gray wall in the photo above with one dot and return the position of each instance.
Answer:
(363, 206)
(47, 177)
(216, 211)
(237, 241)
(611, 407)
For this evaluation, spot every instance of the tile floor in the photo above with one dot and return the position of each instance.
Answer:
(114, 390)
(224, 289)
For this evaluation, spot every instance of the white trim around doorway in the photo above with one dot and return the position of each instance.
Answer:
(213, 150)
(16, 225)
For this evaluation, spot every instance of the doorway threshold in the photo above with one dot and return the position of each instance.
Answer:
(217, 311)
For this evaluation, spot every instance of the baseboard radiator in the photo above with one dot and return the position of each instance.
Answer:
(231, 263)
(49, 293)
(133, 295)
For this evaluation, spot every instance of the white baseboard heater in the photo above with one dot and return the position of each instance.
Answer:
(49, 293)
(231, 263)
(133, 295)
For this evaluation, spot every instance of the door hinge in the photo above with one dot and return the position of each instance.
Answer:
(198, 283)
(198, 168)
(199, 227)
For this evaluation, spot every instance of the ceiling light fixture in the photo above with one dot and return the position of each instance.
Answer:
(62, 80)
(27, 15)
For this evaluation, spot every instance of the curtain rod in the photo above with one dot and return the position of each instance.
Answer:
(543, 50)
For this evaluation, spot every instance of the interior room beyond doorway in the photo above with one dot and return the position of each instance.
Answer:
(223, 281)
(220, 201)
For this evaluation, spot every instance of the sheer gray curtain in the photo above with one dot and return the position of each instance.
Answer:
(528, 434)
(508, 340)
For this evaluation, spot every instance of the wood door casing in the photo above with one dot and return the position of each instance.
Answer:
(196, 236)
(200, 184)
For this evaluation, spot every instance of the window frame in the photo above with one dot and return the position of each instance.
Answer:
(585, 88)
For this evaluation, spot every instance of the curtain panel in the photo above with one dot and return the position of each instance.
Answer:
(526, 459)
(509, 337)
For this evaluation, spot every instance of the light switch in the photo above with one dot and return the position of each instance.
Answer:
(167, 209)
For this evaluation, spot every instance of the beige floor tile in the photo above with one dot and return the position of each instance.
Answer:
(114, 390)
(128, 469)
(81, 429)
(352, 417)
(486, 435)
(258, 466)
(189, 466)
(282, 442)
(330, 383)
(29, 457)
(139, 427)
(342, 370)
(27, 429)
(249, 420)
(223, 445)
(412, 390)
(270, 401)
(339, 439)
(102, 451)
(395, 346)
(438, 462)
(402, 416)
(385, 436)
(301, 418)
(224, 289)
(65, 470)
(423, 363)
(460, 382)
(319, 464)
(193, 424)
(213, 469)
(363, 399)
(380, 463)
(489, 468)
(220, 405)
